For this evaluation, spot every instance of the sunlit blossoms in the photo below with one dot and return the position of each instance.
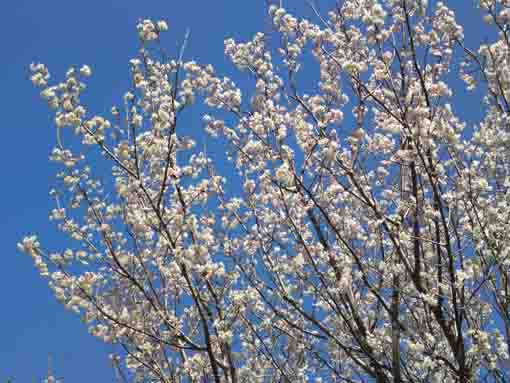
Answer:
(352, 227)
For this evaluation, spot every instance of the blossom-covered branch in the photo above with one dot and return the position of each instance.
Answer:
(362, 235)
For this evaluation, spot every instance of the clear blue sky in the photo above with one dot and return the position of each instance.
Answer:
(62, 33)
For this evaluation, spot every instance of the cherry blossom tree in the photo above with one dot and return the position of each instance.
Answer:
(352, 230)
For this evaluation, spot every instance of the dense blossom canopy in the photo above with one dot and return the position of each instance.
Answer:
(363, 236)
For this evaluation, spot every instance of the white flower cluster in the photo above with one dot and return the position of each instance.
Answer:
(149, 30)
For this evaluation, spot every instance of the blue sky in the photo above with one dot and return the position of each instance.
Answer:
(60, 33)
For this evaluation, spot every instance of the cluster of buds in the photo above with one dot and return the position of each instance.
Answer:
(148, 30)
(40, 75)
